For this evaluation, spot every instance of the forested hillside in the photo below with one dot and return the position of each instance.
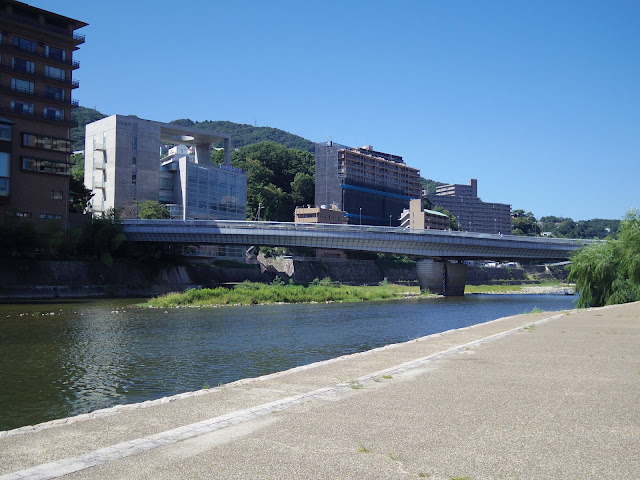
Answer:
(82, 116)
(243, 135)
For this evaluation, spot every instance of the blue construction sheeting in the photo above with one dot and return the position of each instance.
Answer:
(375, 192)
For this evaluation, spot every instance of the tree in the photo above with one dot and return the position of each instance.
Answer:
(523, 223)
(151, 209)
(429, 185)
(453, 221)
(609, 273)
(277, 178)
(303, 189)
(79, 196)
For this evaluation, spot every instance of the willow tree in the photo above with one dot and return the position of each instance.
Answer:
(609, 273)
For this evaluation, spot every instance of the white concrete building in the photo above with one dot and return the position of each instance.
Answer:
(123, 167)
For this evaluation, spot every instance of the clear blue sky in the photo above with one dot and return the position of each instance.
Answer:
(538, 100)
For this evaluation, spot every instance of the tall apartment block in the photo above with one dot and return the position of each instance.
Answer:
(473, 214)
(372, 187)
(36, 65)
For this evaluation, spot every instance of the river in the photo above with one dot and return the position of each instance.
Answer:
(72, 357)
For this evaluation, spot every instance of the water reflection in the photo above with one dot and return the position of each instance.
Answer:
(97, 354)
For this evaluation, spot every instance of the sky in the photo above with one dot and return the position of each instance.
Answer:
(538, 100)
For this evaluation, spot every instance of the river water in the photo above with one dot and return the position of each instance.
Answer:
(67, 358)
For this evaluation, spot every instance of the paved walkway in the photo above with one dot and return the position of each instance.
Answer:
(527, 397)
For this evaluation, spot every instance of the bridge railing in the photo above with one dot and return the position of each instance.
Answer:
(353, 229)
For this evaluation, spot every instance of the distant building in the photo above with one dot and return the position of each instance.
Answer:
(415, 217)
(371, 187)
(123, 167)
(472, 213)
(321, 214)
(36, 52)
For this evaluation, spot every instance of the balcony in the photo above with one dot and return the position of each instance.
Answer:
(42, 76)
(97, 205)
(98, 183)
(99, 165)
(28, 53)
(41, 96)
(75, 37)
(39, 116)
(100, 147)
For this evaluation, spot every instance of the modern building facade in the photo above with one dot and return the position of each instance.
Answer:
(472, 213)
(372, 187)
(36, 65)
(123, 167)
(417, 218)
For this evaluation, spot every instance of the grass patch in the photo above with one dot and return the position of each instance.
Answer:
(510, 288)
(387, 377)
(536, 310)
(364, 449)
(355, 384)
(529, 328)
(252, 293)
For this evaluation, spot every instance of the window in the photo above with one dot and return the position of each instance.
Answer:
(13, 213)
(134, 143)
(45, 166)
(21, 85)
(133, 160)
(56, 194)
(5, 132)
(46, 143)
(54, 92)
(50, 216)
(133, 179)
(53, 72)
(54, 113)
(5, 173)
(22, 65)
(24, 44)
(54, 52)
(19, 106)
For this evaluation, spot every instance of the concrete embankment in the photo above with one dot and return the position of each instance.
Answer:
(535, 396)
(47, 279)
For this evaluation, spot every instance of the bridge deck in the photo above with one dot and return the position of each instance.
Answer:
(418, 243)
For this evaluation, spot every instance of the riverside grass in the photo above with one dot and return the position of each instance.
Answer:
(252, 293)
(498, 288)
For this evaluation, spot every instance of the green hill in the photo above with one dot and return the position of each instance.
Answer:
(241, 134)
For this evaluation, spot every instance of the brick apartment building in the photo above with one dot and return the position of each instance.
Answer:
(36, 65)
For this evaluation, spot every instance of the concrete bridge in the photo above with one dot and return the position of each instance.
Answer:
(439, 254)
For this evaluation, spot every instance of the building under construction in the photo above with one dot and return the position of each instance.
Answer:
(373, 188)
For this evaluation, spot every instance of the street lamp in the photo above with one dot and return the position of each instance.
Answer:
(389, 220)
(360, 216)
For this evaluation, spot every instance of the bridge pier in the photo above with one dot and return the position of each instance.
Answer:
(442, 277)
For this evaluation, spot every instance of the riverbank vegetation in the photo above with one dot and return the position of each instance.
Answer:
(525, 287)
(251, 293)
(609, 273)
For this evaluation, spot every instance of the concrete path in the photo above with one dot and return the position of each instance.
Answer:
(527, 397)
